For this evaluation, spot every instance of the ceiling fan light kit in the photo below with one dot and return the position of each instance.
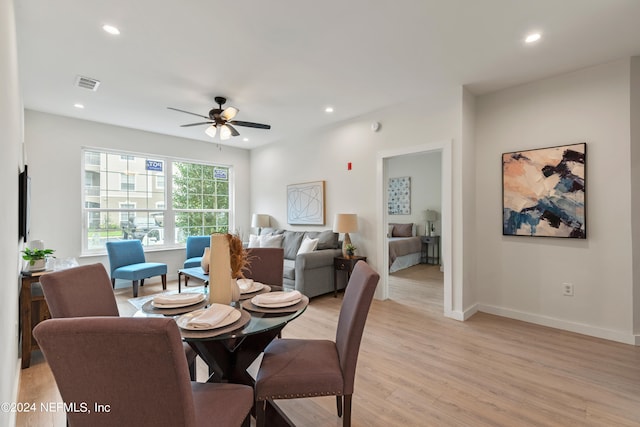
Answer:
(222, 120)
(211, 131)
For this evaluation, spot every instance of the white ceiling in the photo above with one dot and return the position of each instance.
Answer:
(282, 62)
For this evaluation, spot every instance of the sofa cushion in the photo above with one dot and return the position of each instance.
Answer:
(271, 241)
(289, 271)
(326, 239)
(308, 245)
(291, 243)
(254, 241)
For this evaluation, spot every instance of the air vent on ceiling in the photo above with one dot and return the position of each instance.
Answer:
(87, 83)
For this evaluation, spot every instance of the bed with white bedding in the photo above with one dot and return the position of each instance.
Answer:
(405, 248)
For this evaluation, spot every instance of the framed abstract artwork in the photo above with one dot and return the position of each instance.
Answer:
(399, 196)
(305, 203)
(544, 192)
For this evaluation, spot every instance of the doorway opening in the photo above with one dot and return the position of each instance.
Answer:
(444, 148)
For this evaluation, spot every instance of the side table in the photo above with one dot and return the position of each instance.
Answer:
(33, 310)
(341, 263)
(434, 242)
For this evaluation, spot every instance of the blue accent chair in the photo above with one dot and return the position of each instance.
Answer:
(195, 250)
(126, 258)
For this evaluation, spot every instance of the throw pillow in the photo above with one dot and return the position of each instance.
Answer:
(308, 245)
(274, 241)
(326, 240)
(402, 230)
(291, 243)
(254, 241)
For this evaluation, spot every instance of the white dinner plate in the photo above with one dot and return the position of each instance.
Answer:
(179, 304)
(275, 304)
(255, 287)
(183, 320)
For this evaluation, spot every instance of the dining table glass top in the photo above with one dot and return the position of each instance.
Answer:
(258, 322)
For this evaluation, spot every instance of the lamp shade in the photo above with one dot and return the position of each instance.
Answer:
(260, 220)
(430, 215)
(345, 223)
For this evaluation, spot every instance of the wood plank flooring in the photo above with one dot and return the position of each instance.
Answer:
(417, 368)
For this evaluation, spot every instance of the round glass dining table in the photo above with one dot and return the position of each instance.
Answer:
(230, 351)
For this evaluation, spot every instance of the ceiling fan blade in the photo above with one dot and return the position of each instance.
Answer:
(188, 112)
(229, 113)
(250, 124)
(195, 124)
(233, 130)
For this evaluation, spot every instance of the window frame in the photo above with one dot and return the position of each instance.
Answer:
(169, 213)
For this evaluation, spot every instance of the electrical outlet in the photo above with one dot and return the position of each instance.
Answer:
(567, 289)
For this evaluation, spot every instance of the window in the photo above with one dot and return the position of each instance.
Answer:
(159, 201)
(200, 199)
(124, 213)
(127, 182)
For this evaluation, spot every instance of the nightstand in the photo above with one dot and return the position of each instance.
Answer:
(433, 256)
(344, 264)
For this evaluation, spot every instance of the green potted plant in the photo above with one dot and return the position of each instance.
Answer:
(351, 250)
(37, 258)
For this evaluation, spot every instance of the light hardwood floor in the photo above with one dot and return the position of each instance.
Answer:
(417, 368)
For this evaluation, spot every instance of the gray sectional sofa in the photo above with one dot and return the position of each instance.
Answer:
(310, 273)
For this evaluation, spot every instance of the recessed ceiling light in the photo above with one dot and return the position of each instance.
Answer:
(328, 110)
(245, 139)
(78, 105)
(111, 29)
(533, 37)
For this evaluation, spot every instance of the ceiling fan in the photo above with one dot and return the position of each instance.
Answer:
(221, 120)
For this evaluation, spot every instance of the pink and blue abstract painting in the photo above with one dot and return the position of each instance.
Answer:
(543, 192)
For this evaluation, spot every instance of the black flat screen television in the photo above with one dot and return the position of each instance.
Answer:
(24, 201)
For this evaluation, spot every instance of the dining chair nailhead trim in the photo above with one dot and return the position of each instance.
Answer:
(298, 395)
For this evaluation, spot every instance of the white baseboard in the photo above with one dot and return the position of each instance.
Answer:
(565, 325)
(470, 311)
(462, 315)
(456, 315)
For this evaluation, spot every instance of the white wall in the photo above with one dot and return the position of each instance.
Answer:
(469, 200)
(54, 157)
(324, 156)
(425, 170)
(10, 163)
(521, 277)
(635, 185)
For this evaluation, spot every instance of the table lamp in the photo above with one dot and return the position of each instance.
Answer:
(259, 221)
(430, 216)
(345, 223)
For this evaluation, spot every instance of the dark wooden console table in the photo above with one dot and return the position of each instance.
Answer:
(33, 310)
(345, 264)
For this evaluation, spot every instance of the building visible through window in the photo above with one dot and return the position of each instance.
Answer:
(157, 200)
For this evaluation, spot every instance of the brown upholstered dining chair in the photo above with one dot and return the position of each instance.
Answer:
(295, 368)
(125, 371)
(86, 291)
(266, 265)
